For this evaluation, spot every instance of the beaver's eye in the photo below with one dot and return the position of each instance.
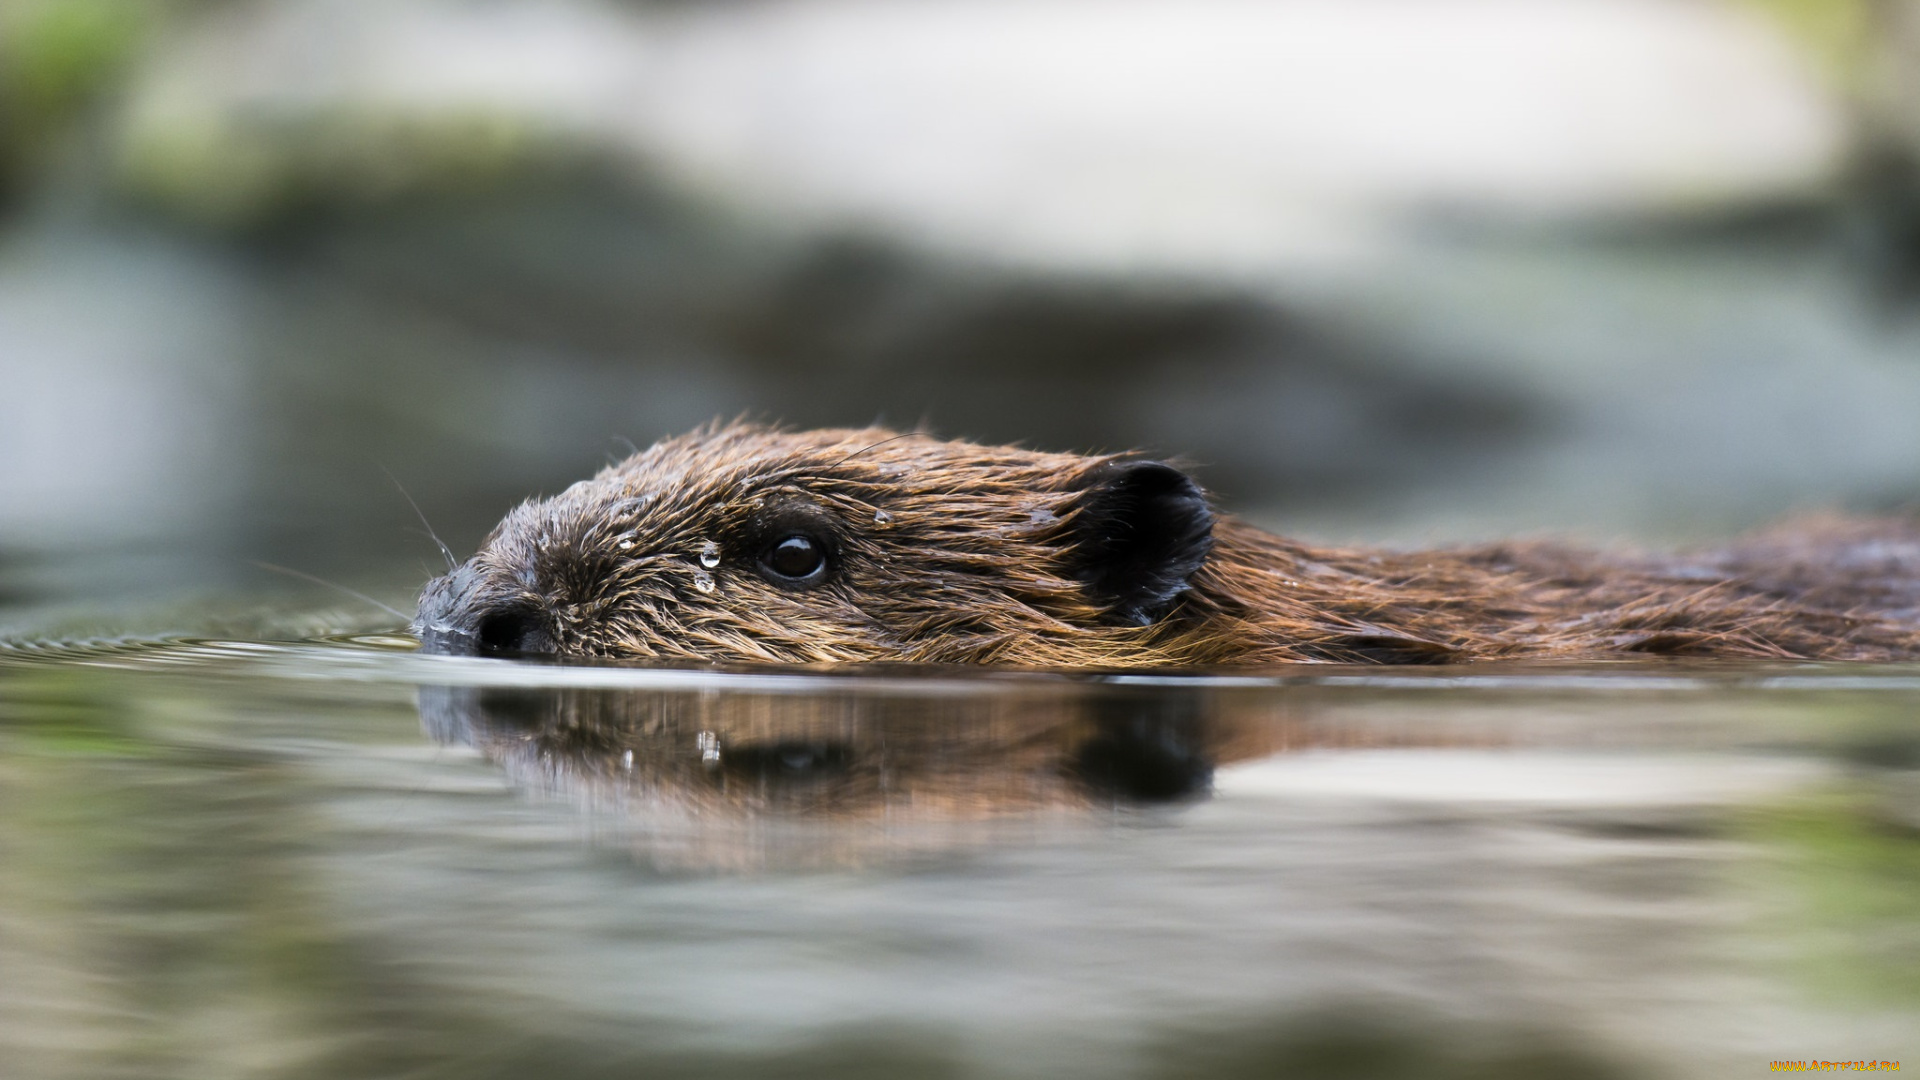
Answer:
(796, 559)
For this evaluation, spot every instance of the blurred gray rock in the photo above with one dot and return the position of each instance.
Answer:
(126, 403)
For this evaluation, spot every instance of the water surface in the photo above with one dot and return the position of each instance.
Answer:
(334, 857)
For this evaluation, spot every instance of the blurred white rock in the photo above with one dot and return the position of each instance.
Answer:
(1165, 136)
(1212, 134)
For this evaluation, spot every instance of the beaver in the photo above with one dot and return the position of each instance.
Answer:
(743, 542)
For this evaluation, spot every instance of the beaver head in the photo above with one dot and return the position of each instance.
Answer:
(748, 543)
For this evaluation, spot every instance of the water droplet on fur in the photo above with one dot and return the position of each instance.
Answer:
(625, 544)
(709, 554)
(882, 518)
(1042, 517)
(626, 760)
(709, 746)
(703, 581)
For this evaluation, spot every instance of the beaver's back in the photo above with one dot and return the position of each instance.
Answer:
(1826, 588)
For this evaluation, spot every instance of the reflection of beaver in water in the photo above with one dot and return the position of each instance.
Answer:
(745, 543)
(902, 748)
(990, 750)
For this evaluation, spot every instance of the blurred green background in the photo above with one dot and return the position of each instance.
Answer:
(1625, 269)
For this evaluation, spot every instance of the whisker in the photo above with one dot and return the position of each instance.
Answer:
(304, 576)
(424, 533)
(452, 563)
(864, 449)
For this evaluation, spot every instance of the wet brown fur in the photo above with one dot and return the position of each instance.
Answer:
(952, 552)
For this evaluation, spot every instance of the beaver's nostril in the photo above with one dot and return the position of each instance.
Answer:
(512, 630)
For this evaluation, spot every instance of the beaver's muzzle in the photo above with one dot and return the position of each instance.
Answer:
(462, 614)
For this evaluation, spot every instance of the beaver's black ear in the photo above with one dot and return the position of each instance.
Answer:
(1141, 529)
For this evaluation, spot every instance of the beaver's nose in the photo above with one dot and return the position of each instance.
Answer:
(453, 621)
(512, 629)
(494, 632)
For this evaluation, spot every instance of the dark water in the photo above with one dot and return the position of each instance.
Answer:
(335, 858)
